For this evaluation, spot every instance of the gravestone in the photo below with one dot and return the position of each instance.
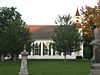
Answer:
(95, 70)
(23, 69)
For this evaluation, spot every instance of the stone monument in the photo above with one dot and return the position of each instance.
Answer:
(95, 70)
(23, 69)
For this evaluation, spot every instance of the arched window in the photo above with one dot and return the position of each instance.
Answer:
(45, 49)
(37, 49)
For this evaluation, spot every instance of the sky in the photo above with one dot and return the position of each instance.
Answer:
(45, 12)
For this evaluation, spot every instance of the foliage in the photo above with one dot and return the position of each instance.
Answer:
(90, 20)
(64, 20)
(66, 37)
(91, 17)
(78, 57)
(13, 32)
(88, 52)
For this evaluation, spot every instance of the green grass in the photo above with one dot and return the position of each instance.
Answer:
(48, 67)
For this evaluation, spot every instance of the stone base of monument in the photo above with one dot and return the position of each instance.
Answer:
(95, 69)
(23, 72)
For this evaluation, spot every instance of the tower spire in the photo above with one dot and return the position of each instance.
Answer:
(77, 13)
(77, 19)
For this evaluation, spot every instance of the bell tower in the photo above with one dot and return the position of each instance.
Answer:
(77, 19)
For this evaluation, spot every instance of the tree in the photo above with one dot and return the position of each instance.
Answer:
(91, 19)
(66, 37)
(14, 34)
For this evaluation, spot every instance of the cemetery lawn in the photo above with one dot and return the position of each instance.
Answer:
(48, 67)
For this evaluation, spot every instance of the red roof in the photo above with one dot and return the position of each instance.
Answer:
(41, 31)
(34, 28)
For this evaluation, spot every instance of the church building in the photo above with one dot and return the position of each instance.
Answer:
(41, 48)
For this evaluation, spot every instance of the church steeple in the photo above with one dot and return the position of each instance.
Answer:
(77, 19)
(77, 13)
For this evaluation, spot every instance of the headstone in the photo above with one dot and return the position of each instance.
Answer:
(95, 70)
(23, 69)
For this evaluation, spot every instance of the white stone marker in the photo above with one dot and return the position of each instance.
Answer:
(23, 69)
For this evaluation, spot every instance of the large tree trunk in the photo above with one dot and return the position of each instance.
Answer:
(14, 57)
(2, 57)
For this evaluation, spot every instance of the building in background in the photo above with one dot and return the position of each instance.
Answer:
(42, 45)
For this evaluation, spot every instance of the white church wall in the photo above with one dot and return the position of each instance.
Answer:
(52, 56)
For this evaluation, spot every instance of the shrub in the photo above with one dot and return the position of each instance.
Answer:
(88, 52)
(78, 57)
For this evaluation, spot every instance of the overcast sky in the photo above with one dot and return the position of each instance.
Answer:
(45, 12)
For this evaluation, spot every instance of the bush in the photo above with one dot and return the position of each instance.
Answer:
(78, 57)
(88, 52)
